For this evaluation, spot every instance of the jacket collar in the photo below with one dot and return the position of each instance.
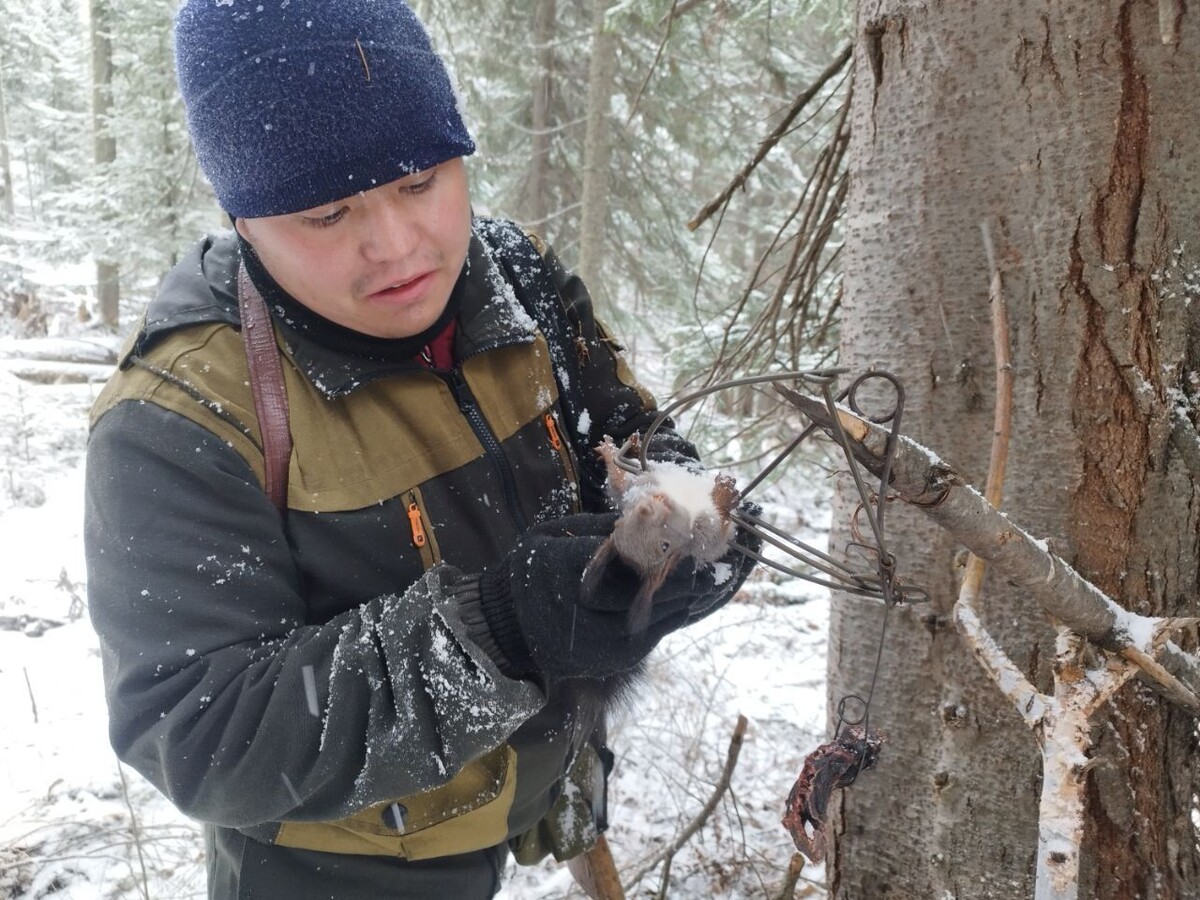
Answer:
(202, 289)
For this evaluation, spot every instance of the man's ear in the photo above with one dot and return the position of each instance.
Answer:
(240, 225)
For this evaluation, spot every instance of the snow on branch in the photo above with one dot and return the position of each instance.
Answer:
(919, 477)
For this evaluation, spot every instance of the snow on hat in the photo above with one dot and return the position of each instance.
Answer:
(292, 104)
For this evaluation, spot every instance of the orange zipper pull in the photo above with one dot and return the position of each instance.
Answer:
(418, 527)
(552, 428)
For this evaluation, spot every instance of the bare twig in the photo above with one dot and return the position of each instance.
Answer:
(722, 785)
(1170, 686)
(1007, 676)
(669, 19)
(1061, 722)
(32, 699)
(768, 144)
(135, 831)
(1002, 428)
(778, 330)
(665, 880)
(678, 9)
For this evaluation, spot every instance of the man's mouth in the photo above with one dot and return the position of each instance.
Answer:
(404, 289)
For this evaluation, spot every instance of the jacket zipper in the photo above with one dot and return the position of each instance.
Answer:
(552, 430)
(491, 444)
(420, 532)
(564, 453)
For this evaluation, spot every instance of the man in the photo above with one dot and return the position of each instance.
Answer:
(336, 574)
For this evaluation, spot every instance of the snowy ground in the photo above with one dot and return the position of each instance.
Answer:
(75, 825)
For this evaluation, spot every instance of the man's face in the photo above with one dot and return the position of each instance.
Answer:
(382, 262)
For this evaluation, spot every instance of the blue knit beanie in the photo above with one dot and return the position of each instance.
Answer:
(293, 104)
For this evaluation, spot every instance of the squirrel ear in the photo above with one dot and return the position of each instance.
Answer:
(594, 570)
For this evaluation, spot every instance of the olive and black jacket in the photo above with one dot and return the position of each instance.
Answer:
(316, 680)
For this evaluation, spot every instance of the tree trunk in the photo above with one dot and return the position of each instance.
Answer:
(6, 181)
(108, 284)
(174, 198)
(1068, 130)
(597, 149)
(536, 197)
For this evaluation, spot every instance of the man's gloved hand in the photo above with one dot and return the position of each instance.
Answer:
(544, 625)
(537, 618)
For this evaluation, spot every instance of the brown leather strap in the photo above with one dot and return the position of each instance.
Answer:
(266, 384)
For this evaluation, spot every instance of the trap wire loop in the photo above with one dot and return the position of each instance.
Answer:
(873, 505)
(852, 733)
(815, 566)
(855, 747)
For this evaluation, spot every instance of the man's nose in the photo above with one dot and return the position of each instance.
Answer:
(390, 232)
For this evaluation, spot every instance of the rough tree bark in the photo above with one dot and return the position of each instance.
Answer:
(1070, 129)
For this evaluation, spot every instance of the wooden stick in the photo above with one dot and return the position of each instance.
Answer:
(795, 867)
(596, 872)
(1007, 676)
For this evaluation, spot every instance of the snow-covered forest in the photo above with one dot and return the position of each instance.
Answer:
(100, 193)
(998, 204)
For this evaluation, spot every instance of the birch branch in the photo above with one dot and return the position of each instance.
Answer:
(1065, 736)
(922, 479)
(1062, 722)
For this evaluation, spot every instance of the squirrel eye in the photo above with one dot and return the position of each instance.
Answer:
(666, 545)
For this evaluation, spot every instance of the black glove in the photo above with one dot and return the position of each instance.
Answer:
(532, 605)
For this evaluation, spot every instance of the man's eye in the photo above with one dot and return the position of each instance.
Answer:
(420, 187)
(325, 221)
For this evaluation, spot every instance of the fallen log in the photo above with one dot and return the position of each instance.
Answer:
(54, 372)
